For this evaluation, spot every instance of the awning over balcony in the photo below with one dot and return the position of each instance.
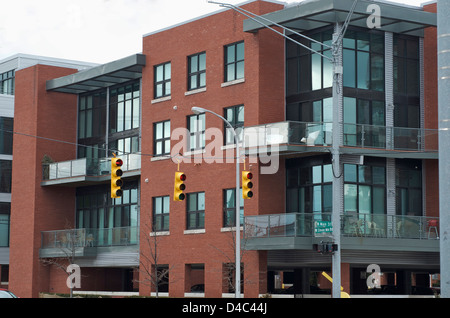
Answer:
(309, 15)
(117, 72)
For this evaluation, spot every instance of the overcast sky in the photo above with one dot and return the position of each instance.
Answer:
(97, 31)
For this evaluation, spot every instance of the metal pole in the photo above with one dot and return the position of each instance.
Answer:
(443, 29)
(336, 165)
(198, 110)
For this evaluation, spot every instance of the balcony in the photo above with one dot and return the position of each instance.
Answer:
(85, 242)
(358, 231)
(83, 171)
(309, 137)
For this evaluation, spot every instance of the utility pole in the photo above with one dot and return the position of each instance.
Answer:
(443, 30)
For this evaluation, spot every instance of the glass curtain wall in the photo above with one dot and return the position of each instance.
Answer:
(120, 135)
(96, 211)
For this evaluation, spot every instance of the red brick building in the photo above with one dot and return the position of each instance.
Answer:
(231, 65)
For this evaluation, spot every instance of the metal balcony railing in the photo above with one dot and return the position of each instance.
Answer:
(353, 135)
(352, 224)
(88, 167)
(73, 238)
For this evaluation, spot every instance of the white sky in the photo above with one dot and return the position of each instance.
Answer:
(97, 31)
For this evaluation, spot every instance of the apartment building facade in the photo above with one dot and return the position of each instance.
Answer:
(8, 67)
(140, 109)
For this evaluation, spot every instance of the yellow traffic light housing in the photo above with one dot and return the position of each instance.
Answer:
(179, 186)
(247, 184)
(116, 177)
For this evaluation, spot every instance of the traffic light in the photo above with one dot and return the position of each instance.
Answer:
(179, 186)
(325, 247)
(247, 184)
(116, 177)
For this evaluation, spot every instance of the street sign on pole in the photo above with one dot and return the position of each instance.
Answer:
(323, 227)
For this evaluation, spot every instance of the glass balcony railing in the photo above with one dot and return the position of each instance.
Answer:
(288, 132)
(88, 167)
(353, 135)
(74, 238)
(352, 224)
(395, 138)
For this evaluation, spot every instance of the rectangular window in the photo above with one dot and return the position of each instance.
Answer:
(6, 135)
(124, 111)
(161, 208)
(161, 133)
(7, 80)
(5, 176)
(235, 115)
(162, 80)
(196, 71)
(364, 189)
(196, 127)
(363, 58)
(196, 210)
(408, 176)
(406, 65)
(234, 61)
(92, 115)
(115, 219)
(5, 214)
(229, 207)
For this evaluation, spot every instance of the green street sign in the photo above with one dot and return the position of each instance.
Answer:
(323, 227)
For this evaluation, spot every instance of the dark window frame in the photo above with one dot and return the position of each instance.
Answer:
(198, 133)
(198, 73)
(158, 224)
(233, 62)
(162, 140)
(165, 82)
(235, 123)
(229, 212)
(199, 221)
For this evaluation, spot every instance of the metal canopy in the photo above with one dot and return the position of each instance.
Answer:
(117, 72)
(313, 14)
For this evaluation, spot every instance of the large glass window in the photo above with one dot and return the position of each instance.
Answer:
(124, 145)
(363, 58)
(196, 210)
(408, 180)
(161, 133)
(406, 65)
(5, 219)
(234, 61)
(7, 80)
(309, 185)
(321, 67)
(161, 208)
(235, 115)
(196, 127)
(307, 71)
(5, 176)
(124, 109)
(6, 135)
(361, 118)
(229, 207)
(92, 115)
(116, 125)
(163, 76)
(96, 209)
(365, 188)
(197, 71)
